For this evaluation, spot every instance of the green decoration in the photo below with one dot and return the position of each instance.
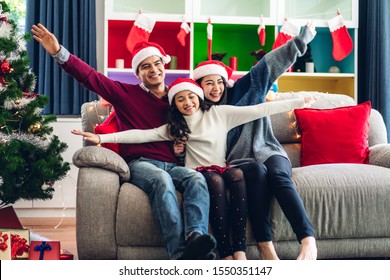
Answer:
(30, 157)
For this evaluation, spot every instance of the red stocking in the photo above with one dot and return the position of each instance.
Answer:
(209, 40)
(140, 31)
(287, 32)
(261, 33)
(184, 30)
(342, 41)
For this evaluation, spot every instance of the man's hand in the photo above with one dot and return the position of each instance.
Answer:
(46, 38)
(91, 137)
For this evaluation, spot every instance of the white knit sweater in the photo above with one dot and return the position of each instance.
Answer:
(206, 144)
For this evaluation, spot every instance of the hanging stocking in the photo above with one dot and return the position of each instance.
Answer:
(287, 32)
(209, 39)
(140, 31)
(342, 41)
(184, 30)
(261, 32)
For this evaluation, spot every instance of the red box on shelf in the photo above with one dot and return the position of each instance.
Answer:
(44, 250)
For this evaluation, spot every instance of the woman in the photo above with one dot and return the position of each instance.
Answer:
(205, 131)
(254, 148)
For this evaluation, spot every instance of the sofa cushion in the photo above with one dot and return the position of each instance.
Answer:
(338, 135)
(283, 124)
(100, 157)
(342, 201)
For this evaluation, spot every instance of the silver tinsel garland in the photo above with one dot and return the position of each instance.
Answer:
(28, 138)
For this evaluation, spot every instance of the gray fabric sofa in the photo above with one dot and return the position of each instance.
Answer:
(349, 204)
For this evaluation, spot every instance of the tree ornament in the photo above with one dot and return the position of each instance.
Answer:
(5, 67)
(35, 128)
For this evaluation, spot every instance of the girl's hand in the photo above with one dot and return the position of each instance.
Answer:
(179, 147)
(91, 137)
(46, 38)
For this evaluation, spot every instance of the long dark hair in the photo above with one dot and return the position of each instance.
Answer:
(223, 99)
(177, 125)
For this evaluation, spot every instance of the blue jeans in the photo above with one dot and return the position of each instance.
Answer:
(160, 180)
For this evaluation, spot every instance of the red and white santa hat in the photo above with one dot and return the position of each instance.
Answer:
(143, 50)
(214, 67)
(184, 84)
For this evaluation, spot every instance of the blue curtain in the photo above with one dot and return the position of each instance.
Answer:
(374, 56)
(73, 22)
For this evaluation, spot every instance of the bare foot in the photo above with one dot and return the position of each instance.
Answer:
(308, 249)
(228, 258)
(239, 255)
(267, 251)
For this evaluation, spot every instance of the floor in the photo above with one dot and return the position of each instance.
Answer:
(52, 229)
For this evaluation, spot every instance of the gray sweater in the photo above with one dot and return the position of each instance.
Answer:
(255, 140)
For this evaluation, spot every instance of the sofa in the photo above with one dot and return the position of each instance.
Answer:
(348, 203)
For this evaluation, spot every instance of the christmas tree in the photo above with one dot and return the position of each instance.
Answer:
(30, 157)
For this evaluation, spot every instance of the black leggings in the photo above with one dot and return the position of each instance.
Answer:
(273, 178)
(228, 214)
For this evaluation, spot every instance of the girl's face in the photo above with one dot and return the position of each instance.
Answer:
(187, 102)
(213, 87)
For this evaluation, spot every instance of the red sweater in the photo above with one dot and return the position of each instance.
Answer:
(134, 108)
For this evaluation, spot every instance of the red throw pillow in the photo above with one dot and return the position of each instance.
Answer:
(337, 135)
(109, 125)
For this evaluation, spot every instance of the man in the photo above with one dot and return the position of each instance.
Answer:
(153, 166)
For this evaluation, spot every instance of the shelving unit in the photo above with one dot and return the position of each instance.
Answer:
(235, 26)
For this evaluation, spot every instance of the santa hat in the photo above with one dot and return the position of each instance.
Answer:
(143, 50)
(184, 84)
(214, 67)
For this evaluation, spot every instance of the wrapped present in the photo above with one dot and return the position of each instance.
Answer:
(44, 250)
(65, 255)
(15, 244)
(5, 245)
(9, 219)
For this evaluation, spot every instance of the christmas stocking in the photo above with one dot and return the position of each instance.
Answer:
(140, 31)
(209, 39)
(287, 32)
(342, 41)
(261, 32)
(184, 30)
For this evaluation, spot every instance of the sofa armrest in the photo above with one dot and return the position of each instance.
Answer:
(380, 155)
(100, 157)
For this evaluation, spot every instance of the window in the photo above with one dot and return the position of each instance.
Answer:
(18, 12)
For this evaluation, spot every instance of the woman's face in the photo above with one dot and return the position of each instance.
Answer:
(213, 87)
(187, 102)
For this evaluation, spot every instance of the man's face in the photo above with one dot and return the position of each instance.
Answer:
(151, 71)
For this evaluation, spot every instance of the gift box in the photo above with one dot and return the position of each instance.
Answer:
(65, 255)
(5, 245)
(14, 244)
(44, 250)
(9, 219)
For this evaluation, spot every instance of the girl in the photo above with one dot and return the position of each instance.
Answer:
(205, 131)
(254, 148)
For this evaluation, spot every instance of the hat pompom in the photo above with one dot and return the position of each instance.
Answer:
(230, 83)
(166, 59)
